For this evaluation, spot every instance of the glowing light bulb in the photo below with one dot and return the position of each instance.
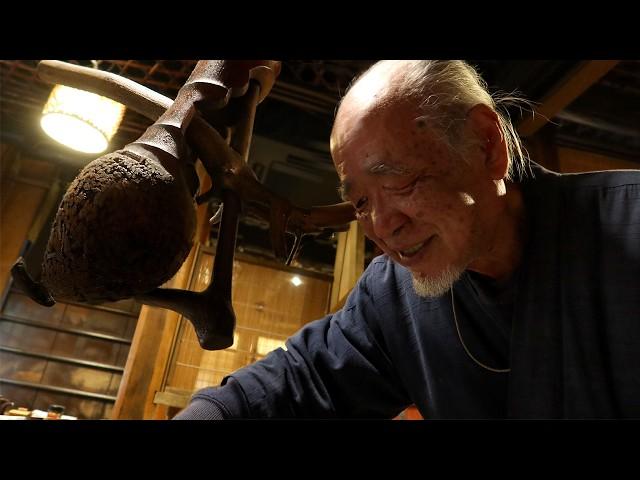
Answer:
(81, 120)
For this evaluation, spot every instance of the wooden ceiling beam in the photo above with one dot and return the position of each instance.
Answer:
(571, 87)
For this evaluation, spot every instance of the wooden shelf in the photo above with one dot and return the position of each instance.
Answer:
(172, 399)
(57, 358)
(52, 388)
(75, 331)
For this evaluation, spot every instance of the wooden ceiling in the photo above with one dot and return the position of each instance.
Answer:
(602, 113)
(313, 87)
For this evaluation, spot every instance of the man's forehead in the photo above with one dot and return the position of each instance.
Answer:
(350, 117)
(366, 99)
(365, 123)
(360, 125)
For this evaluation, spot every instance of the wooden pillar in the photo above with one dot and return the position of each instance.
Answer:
(153, 339)
(349, 264)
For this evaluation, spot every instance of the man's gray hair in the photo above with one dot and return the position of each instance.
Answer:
(446, 90)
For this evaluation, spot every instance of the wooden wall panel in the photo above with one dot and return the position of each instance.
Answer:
(20, 306)
(269, 309)
(86, 348)
(98, 321)
(23, 188)
(25, 327)
(26, 337)
(315, 303)
(21, 368)
(78, 378)
(20, 396)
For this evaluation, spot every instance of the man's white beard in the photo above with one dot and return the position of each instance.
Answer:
(438, 286)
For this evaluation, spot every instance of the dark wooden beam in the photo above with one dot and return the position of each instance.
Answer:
(571, 87)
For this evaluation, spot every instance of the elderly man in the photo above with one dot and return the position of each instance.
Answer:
(505, 290)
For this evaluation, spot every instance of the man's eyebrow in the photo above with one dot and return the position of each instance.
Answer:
(378, 168)
(381, 168)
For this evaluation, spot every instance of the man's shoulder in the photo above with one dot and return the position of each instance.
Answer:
(538, 177)
(383, 266)
(605, 179)
(384, 279)
(383, 276)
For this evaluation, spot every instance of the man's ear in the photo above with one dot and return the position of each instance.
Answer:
(485, 125)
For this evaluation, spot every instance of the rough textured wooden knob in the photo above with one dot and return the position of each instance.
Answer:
(124, 226)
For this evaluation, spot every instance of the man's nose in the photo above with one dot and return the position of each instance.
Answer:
(387, 220)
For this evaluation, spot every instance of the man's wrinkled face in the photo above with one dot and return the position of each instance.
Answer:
(417, 200)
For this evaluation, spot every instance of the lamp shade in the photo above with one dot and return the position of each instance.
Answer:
(81, 120)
